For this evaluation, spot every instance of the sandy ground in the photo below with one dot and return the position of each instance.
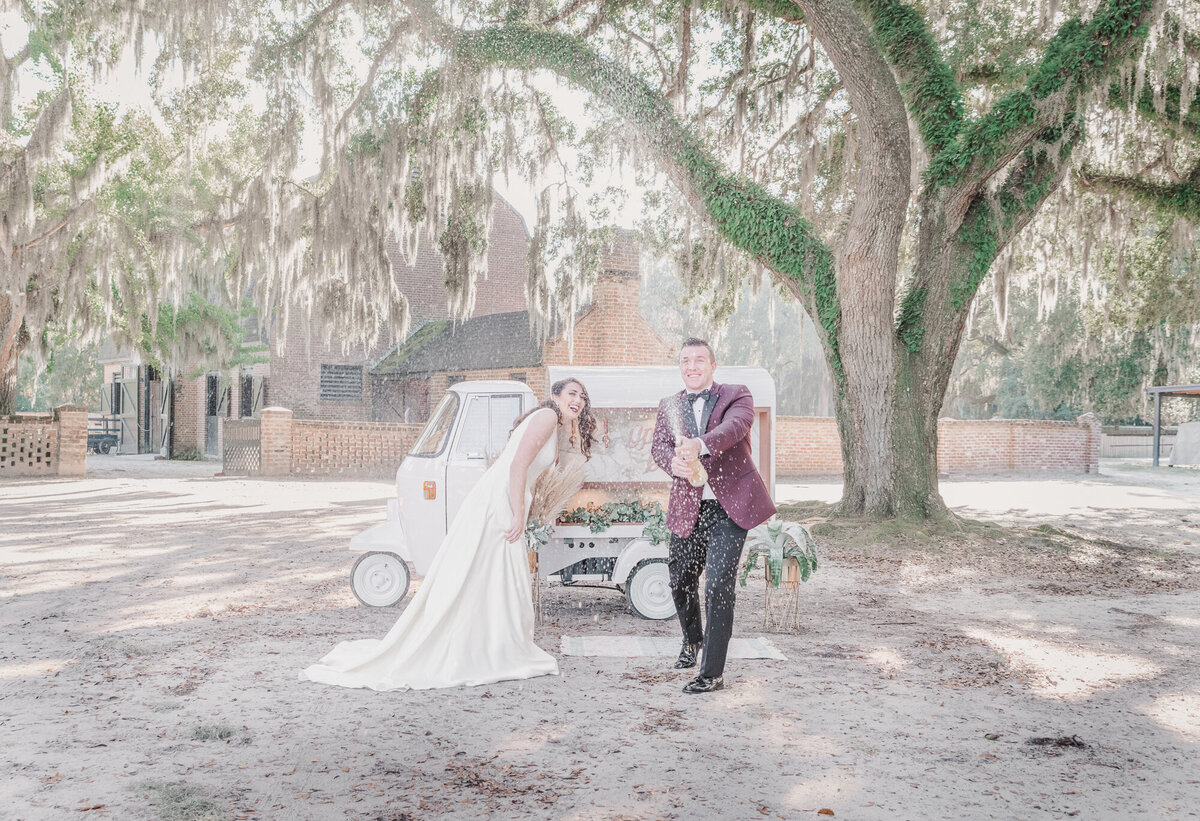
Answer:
(154, 618)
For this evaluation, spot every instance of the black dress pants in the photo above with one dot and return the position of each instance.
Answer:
(714, 548)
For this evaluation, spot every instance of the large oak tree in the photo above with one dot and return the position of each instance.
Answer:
(874, 157)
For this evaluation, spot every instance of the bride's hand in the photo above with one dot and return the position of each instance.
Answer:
(516, 530)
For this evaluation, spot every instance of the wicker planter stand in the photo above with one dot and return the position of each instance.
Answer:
(782, 609)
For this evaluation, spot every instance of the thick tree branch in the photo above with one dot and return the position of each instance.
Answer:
(1179, 199)
(1037, 174)
(939, 297)
(926, 81)
(50, 123)
(1078, 57)
(771, 231)
(8, 67)
(42, 236)
(874, 97)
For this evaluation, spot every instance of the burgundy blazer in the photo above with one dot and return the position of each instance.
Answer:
(734, 479)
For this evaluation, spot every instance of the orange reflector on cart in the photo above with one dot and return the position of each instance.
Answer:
(431, 490)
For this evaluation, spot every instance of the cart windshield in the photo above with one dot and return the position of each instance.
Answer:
(432, 440)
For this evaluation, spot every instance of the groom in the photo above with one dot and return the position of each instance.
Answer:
(708, 524)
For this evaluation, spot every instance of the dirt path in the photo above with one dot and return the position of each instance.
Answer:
(154, 620)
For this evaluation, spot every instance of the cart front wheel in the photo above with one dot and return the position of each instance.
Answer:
(104, 447)
(379, 579)
(649, 590)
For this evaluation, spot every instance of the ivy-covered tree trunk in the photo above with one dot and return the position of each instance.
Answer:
(12, 340)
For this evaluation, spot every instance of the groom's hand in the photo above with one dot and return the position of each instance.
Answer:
(688, 450)
(680, 468)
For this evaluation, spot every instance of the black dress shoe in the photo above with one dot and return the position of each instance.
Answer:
(701, 684)
(687, 655)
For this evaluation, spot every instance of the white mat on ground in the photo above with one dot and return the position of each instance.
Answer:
(632, 646)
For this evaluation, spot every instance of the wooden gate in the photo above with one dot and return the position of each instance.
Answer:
(125, 408)
(216, 406)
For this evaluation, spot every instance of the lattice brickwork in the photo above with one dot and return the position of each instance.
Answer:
(240, 453)
(28, 446)
(356, 448)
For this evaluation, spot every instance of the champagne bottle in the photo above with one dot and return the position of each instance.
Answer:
(699, 474)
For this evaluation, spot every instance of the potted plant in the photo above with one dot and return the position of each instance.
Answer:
(789, 556)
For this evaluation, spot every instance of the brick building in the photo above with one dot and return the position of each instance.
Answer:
(316, 379)
(608, 331)
(320, 381)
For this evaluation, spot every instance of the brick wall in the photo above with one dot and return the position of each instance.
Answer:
(72, 440)
(188, 432)
(807, 446)
(811, 446)
(966, 446)
(350, 448)
(295, 380)
(275, 441)
(44, 444)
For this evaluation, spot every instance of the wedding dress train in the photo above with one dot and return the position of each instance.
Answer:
(472, 620)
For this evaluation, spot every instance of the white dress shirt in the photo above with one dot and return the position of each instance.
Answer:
(698, 410)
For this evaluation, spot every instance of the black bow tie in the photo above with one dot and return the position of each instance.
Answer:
(692, 397)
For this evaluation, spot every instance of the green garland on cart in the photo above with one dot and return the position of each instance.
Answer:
(598, 519)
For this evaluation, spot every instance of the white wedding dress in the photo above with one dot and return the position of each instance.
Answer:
(472, 620)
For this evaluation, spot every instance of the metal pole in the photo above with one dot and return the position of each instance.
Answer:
(1157, 426)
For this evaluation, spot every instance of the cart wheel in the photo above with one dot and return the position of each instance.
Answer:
(379, 579)
(649, 590)
(104, 447)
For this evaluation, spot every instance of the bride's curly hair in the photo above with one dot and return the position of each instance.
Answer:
(586, 421)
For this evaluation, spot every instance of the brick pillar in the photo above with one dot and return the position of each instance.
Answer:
(275, 444)
(1091, 462)
(72, 440)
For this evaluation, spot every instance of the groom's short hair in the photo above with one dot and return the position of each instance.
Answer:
(697, 342)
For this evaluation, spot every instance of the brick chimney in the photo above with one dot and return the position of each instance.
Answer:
(612, 331)
(619, 284)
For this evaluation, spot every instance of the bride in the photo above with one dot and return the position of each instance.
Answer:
(472, 620)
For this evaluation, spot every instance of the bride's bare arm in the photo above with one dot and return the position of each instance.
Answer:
(540, 428)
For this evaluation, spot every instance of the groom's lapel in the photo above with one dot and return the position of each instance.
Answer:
(710, 403)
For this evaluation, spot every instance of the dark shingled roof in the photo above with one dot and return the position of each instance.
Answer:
(482, 343)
